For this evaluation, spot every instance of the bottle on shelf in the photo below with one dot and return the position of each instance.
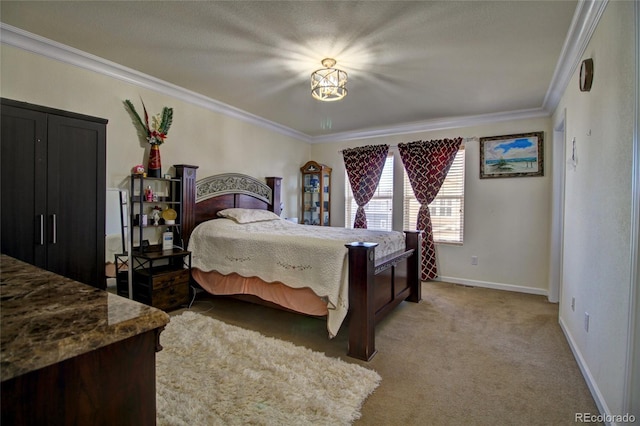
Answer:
(148, 193)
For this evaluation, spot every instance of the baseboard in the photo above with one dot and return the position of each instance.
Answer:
(586, 373)
(495, 286)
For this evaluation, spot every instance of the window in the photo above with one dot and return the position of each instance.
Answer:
(379, 208)
(447, 210)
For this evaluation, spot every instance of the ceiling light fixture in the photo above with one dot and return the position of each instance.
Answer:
(328, 84)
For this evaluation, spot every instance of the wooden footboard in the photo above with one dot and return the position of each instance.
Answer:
(376, 287)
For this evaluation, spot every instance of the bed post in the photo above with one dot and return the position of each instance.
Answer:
(362, 320)
(188, 189)
(413, 240)
(275, 183)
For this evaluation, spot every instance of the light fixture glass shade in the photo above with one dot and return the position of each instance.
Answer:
(328, 84)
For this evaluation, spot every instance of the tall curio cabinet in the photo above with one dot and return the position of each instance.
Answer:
(316, 190)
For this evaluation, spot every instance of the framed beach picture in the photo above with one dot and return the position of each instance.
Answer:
(512, 155)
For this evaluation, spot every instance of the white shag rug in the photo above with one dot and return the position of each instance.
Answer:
(213, 373)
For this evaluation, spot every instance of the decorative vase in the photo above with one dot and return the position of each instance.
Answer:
(154, 168)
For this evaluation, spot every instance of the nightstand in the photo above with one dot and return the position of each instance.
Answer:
(161, 277)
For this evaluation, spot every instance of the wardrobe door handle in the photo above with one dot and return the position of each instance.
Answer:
(54, 224)
(41, 229)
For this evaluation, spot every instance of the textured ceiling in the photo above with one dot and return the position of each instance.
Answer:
(407, 61)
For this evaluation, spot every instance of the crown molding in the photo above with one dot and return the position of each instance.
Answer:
(432, 125)
(584, 22)
(34, 43)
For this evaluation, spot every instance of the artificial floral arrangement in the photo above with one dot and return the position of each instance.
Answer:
(160, 123)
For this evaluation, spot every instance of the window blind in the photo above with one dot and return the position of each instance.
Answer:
(447, 209)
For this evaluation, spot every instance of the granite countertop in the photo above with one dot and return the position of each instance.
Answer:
(46, 318)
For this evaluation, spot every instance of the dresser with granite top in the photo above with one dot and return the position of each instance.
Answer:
(74, 354)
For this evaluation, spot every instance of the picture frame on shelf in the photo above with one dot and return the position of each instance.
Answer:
(517, 155)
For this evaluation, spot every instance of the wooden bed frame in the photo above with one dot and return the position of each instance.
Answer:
(375, 287)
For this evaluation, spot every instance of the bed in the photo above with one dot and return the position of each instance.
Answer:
(362, 277)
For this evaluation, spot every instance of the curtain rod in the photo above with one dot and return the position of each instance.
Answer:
(464, 140)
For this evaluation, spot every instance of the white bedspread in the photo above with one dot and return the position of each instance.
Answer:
(296, 255)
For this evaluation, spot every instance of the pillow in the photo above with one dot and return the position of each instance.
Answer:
(248, 215)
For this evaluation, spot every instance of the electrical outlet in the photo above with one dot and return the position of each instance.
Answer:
(573, 304)
(474, 260)
(586, 322)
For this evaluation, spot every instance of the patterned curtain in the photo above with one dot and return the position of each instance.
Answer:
(427, 164)
(364, 167)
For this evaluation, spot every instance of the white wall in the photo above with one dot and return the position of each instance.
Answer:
(214, 142)
(506, 219)
(597, 222)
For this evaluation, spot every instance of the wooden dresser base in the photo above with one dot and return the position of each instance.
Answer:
(111, 385)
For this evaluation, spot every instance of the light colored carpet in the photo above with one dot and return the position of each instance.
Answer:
(463, 356)
(212, 373)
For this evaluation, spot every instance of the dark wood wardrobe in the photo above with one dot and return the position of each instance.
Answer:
(53, 190)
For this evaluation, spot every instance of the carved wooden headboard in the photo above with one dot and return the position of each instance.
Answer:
(203, 199)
